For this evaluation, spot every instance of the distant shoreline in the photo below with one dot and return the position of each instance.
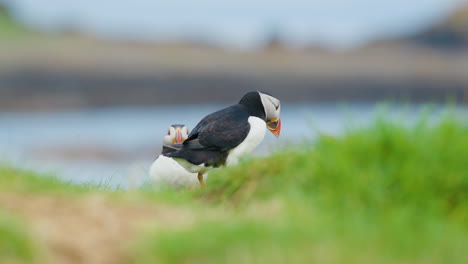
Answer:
(76, 72)
(54, 90)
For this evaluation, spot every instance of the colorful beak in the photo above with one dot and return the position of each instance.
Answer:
(275, 126)
(178, 137)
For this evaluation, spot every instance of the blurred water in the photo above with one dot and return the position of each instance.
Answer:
(131, 137)
(242, 23)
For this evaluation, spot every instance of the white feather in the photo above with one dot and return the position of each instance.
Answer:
(271, 106)
(166, 171)
(250, 143)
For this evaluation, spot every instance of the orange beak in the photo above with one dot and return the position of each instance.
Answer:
(274, 126)
(178, 137)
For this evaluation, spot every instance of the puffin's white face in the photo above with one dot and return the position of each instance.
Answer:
(176, 134)
(272, 108)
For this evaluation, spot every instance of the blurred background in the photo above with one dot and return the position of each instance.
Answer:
(88, 88)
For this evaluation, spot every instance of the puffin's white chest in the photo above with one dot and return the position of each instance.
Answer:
(253, 139)
(165, 170)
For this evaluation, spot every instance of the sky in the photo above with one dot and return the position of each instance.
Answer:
(239, 24)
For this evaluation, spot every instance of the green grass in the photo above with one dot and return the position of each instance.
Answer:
(387, 164)
(16, 244)
(388, 193)
(9, 27)
(20, 180)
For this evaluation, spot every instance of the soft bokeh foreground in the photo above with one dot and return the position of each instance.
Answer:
(389, 193)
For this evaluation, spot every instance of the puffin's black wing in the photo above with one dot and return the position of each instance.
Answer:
(214, 135)
(220, 131)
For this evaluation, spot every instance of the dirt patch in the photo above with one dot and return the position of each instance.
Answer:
(90, 229)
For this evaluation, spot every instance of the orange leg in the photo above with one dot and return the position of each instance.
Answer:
(200, 179)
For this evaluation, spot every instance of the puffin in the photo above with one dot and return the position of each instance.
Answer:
(223, 137)
(164, 170)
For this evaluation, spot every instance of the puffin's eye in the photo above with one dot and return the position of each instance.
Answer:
(168, 132)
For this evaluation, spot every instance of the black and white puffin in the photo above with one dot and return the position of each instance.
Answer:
(223, 137)
(166, 171)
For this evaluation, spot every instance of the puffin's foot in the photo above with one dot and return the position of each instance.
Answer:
(200, 179)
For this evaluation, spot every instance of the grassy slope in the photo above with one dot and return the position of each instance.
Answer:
(10, 28)
(16, 244)
(385, 194)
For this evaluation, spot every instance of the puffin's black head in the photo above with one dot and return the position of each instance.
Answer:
(266, 107)
(176, 134)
